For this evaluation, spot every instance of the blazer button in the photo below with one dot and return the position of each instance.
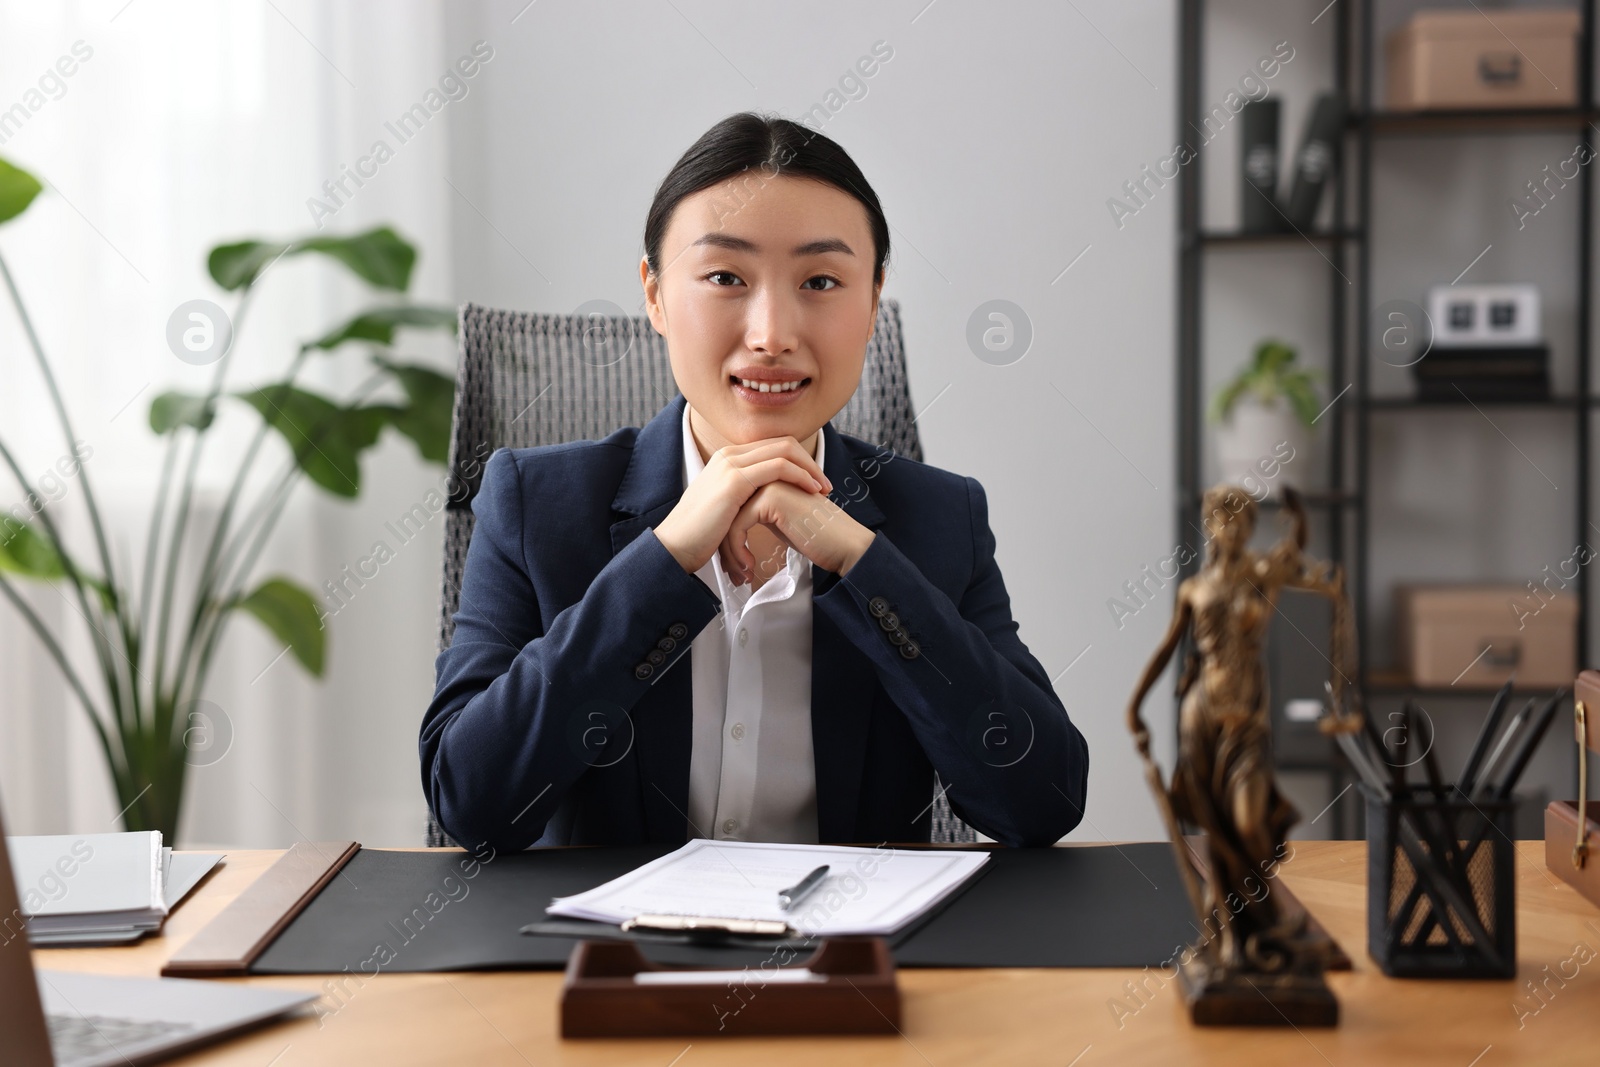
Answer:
(910, 650)
(878, 606)
(643, 671)
(656, 657)
(677, 631)
(890, 621)
(898, 637)
(666, 644)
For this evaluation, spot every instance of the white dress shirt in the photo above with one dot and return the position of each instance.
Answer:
(752, 776)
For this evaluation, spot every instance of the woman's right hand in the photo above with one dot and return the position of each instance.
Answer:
(693, 530)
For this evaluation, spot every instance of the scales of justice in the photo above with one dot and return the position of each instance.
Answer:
(1259, 964)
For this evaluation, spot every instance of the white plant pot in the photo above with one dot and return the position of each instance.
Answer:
(1262, 448)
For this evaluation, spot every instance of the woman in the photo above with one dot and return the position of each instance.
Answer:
(850, 630)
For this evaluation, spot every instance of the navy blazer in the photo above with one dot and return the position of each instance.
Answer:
(563, 712)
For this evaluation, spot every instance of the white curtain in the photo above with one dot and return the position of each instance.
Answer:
(186, 125)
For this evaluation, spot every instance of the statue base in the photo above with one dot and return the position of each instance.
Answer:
(1217, 997)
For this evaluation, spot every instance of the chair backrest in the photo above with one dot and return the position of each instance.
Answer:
(532, 378)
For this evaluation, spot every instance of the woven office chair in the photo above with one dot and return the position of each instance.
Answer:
(527, 378)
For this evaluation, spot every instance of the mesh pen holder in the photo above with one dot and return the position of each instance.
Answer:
(1441, 885)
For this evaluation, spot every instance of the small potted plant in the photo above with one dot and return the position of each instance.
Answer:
(1264, 417)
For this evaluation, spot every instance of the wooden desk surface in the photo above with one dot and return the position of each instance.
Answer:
(953, 1018)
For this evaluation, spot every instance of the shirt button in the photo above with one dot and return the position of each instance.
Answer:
(729, 825)
(737, 731)
(744, 636)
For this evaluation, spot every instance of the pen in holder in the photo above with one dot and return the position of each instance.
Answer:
(1441, 884)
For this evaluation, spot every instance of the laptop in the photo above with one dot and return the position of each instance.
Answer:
(69, 1019)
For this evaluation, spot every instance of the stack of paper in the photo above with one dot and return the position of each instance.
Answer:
(91, 889)
(866, 891)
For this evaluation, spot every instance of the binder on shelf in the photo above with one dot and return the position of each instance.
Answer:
(1258, 168)
(1315, 160)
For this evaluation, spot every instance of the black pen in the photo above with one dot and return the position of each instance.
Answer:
(1480, 746)
(1430, 762)
(1524, 751)
(1492, 764)
(787, 898)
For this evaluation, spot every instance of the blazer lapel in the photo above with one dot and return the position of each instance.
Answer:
(842, 677)
(664, 733)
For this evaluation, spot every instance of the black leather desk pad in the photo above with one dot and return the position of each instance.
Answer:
(394, 911)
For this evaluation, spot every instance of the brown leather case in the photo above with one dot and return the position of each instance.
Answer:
(600, 998)
(1571, 856)
(230, 943)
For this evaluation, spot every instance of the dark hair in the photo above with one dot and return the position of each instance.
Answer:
(776, 146)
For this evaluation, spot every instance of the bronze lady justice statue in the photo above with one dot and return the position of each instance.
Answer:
(1222, 781)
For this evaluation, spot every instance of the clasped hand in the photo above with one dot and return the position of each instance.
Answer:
(772, 483)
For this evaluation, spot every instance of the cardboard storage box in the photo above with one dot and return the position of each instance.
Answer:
(1468, 58)
(1443, 628)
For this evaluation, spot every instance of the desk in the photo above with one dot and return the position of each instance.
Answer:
(953, 1018)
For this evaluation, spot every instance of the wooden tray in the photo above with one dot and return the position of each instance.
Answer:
(601, 996)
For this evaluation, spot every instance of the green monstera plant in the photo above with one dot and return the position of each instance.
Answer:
(153, 654)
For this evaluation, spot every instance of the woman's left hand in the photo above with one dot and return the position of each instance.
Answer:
(810, 523)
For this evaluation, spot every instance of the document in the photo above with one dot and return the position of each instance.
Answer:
(91, 882)
(866, 891)
(101, 889)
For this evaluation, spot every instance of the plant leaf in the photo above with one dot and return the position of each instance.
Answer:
(291, 614)
(327, 439)
(379, 324)
(426, 419)
(1272, 356)
(235, 266)
(1302, 397)
(1228, 395)
(380, 257)
(173, 409)
(17, 190)
(23, 551)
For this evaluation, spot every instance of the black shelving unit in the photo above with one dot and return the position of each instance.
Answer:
(1346, 253)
